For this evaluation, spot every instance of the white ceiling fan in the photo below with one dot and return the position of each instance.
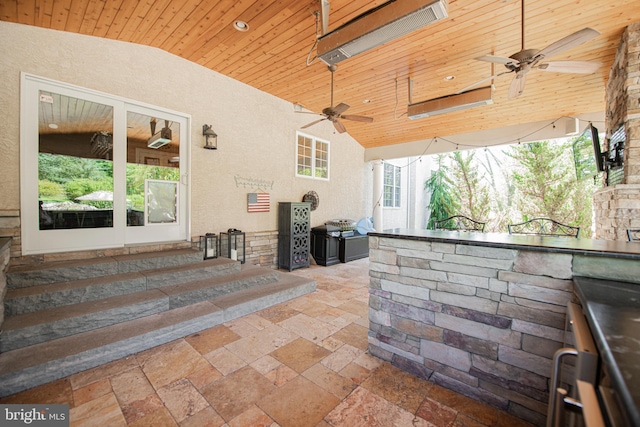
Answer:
(524, 61)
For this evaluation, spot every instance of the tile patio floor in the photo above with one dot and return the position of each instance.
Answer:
(301, 363)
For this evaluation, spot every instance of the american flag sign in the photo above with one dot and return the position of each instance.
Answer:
(258, 202)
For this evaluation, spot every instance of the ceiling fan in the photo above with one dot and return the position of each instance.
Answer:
(524, 61)
(334, 113)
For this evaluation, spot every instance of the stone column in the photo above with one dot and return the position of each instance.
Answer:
(617, 206)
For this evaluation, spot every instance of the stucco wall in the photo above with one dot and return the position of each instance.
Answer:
(256, 130)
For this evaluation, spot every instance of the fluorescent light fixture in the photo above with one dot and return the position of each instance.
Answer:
(159, 139)
(446, 104)
(377, 26)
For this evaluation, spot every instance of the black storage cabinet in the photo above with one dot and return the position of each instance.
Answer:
(294, 235)
(354, 247)
(325, 248)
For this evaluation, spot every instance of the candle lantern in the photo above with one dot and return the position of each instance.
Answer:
(232, 244)
(209, 245)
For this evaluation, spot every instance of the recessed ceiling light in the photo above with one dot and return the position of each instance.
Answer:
(449, 78)
(241, 26)
(53, 126)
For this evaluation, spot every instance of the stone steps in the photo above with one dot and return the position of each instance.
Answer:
(55, 329)
(27, 299)
(46, 324)
(64, 271)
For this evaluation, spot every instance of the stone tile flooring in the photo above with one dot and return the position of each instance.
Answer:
(301, 363)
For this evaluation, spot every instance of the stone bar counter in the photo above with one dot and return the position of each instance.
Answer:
(483, 313)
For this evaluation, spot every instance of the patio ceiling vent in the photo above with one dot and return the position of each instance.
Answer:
(377, 26)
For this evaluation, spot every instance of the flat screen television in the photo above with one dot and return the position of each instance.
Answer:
(586, 152)
(597, 151)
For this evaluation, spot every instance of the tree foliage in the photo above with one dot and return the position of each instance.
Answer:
(547, 186)
(541, 181)
(64, 178)
(468, 188)
(442, 203)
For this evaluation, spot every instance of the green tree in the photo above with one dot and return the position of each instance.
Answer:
(472, 195)
(51, 191)
(442, 202)
(546, 184)
(62, 169)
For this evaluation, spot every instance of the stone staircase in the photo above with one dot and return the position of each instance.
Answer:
(66, 317)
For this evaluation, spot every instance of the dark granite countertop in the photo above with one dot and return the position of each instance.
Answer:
(569, 245)
(613, 313)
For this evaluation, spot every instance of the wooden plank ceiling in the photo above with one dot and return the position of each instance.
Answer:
(272, 54)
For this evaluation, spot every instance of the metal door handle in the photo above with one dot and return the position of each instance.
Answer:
(553, 418)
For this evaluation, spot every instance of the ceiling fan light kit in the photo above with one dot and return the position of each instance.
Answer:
(450, 103)
(377, 26)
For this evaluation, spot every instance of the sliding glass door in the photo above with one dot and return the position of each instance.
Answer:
(98, 171)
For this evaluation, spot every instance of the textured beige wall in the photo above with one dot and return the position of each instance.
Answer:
(256, 130)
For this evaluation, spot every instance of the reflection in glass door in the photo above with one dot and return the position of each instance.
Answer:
(75, 162)
(155, 187)
(153, 153)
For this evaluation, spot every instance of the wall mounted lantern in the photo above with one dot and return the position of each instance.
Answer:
(210, 138)
(209, 245)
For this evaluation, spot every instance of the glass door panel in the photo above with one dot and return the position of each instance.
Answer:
(69, 173)
(103, 171)
(75, 166)
(155, 208)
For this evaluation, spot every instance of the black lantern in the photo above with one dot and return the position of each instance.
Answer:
(232, 244)
(209, 244)
(210, 138)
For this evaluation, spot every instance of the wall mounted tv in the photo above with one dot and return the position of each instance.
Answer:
(597, 150)
(587, 154)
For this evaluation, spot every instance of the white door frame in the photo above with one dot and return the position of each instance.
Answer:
(36, 241)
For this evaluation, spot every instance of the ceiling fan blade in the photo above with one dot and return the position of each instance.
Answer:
(339, 126)
(498, 60)
(340, 108)
(307, 112)
(517, 85)
(481, 81)
(363, 119)
(579, 67)
(313, 123)
(566, 43)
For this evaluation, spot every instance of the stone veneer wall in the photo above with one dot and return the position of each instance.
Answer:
(10, 228)
(262, 249)
(617, 208)
(482, 321)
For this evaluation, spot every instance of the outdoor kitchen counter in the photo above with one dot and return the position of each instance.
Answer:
(593, 247)
(483, 313)
(612, 310)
